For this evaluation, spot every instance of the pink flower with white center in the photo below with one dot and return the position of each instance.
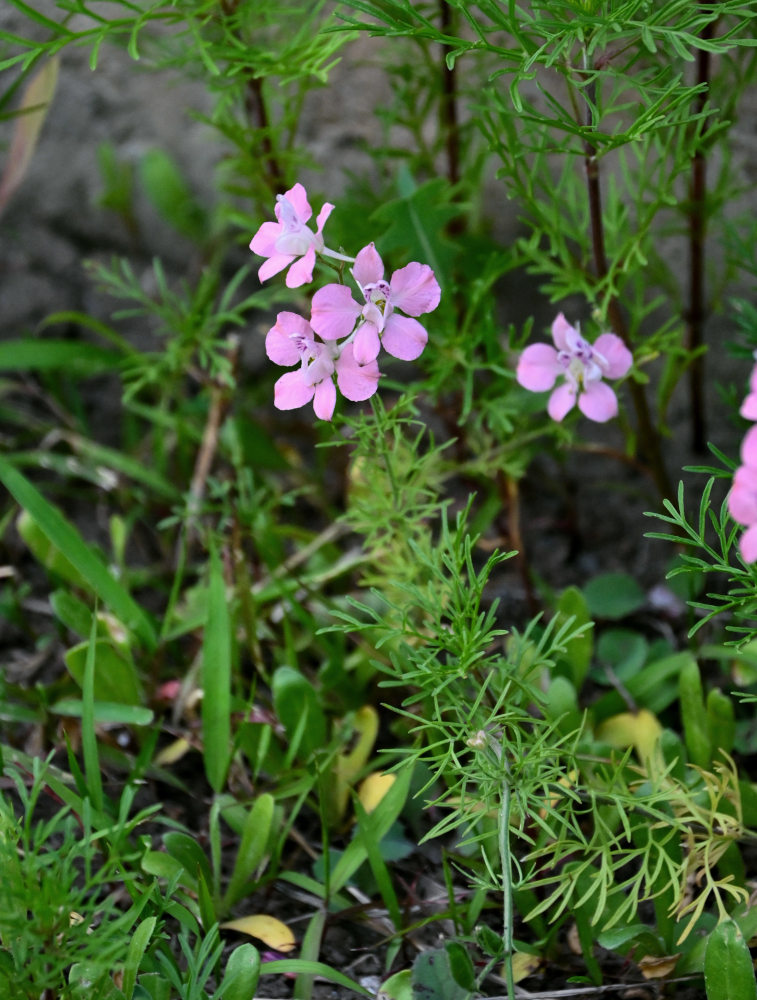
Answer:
(582, 365)
(283, 241)
(291, 341)
(413, 289)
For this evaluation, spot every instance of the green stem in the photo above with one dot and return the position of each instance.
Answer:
(380, 414)
(507, 887)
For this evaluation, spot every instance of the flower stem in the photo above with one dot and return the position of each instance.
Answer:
(649, 437)
(448, 110)
(336, 256)
(256, 108)
(507, 886)
(696, 313)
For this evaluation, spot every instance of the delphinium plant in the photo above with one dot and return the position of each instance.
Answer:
(589, 786)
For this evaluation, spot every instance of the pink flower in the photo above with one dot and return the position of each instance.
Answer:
(742, 500)
(742, 506)
(413, 289)
(292, 340)
(583, 367)
(283, 241)
(749, 406)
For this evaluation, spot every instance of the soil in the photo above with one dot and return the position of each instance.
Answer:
(575, 523)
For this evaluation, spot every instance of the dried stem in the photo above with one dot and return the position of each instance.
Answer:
(696, 314)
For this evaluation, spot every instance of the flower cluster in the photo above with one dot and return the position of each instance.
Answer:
(340, 344)
(742, 500)
(582, 365)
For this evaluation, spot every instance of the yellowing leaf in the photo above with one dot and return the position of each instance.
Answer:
(658, 966)
(36, 99)
(373, 789)
(640, 730)
(173, 752)
(347, 765)
(267, 929)
(524, 965)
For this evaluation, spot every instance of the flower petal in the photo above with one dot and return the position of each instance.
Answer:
(742, 500)
(325, 399)
(301, 272)
(298, 199)
(275, 263)
(561, 328)
(619, 359)
(280, 345)
(404, 338)
(415, 290)
(264, 240)
(538, 368)
(748, 545)
(324, 213)
(598, 402)
(749, 407)
(356, 382)
(366, 345)
(368, 266)
(562, 401)
(749, 447)
(290, 391)
(334, 312)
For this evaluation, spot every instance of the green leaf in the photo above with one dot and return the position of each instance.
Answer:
(153, 986)
(460, 965)
(561, 705)
(613, 596)
(35, 355)
(116, 676)
(255, 837)
(433, 979)
(240, 980)
(578, 650)
(137, 947)
(382, 818)
(46, 554)
(88, 735)
(285, 966)
(188, 853)
(166, 188)
(105, 712)
(397, 987)
(622, 649)
(655, 687)
(296, 704)
(216, 679)
(728, 968)
(64, 537)
(696, 728)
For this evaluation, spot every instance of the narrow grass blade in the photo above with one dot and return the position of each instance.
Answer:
(64, 536)
(137, 948)
(286, 965)
(385, 813)
(216, 679)
(88, 736)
